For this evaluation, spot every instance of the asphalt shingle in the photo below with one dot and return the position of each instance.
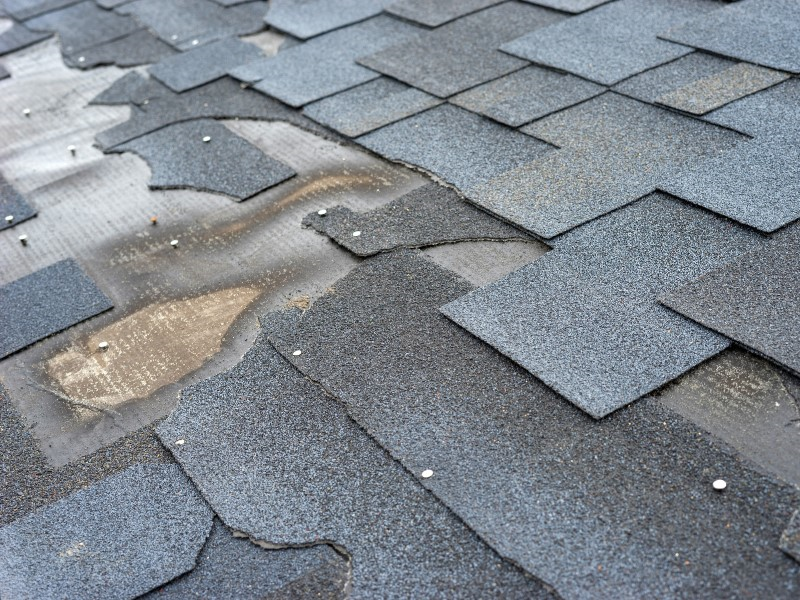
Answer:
(610, 509)
(790, 539)
(463, 53)
(611, 42)
(22, 10)
(131, 88)
(571, 6)
(46, 302)
(180, 157)
(281, 461)
(585, 317)
(308, 18)
(118, 538)
(433, 14)
(138, 48)
(18, 37)
(14, 205)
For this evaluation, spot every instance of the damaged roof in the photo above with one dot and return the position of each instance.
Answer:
(395, 298)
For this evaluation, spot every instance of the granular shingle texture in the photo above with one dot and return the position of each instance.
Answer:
(757, 183)
(46, 302)
(585, 317)
(610, 509)
(138, 48)
(427, 216)
(433, 14)
(758, 31)
(459, 146)
(116, 539)
(790, 539)
(611, 42)
(613, 150)
(463, 53)
(281, 461)
(202, 65)
(19, 37)
(307, 18)
(179, 157)
(231, 567)
(13, 204)
(527, 95)
(325, 65)
(22, 10)
(131, 88)
(754, 300)
(571, 6)
(369, 106)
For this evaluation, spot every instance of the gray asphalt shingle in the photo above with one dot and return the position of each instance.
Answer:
(308, 18)
(18, 37)
(138, 48)
(790, 539)
(14, 205)
(433, 14)
(22, 10)
(571, 6)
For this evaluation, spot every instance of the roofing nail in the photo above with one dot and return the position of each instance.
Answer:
(23, 239)
(173, 37)
(356, 233)
(10, 219)
(180, 442)
(720, 484)
(71, 149)
(427, 473)
(154, 220)
(322, 212)
(102, 346)
(81, 59)
(207, 139)
(174, 243)
(195, 42)
(297, 353)
(26, 112)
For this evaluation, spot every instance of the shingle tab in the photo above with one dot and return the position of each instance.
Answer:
(118, 538)
(437, 13)
(19, 37)
(463, 53)
(459, 146)
(611, 42)
(138, 48)
(585, 318)
(23, 10)
(571, 6)
(46, 302)
(758, 31)
(308, 18)
(14, 205)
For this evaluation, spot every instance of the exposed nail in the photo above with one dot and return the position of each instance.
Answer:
(26, 112)
(81, 59)
(720, 484)
(10, 219)
(322, 212)
(297, 353)
(71, 150)
(180, 442)
(102, 346)
(174, 243)
(23, 239)
(207, 139)
(427, 473)
(356, 233)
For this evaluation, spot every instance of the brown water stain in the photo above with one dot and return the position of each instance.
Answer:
(148, 349)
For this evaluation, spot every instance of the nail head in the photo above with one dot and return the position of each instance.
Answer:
(356, 233)
(720, 484)
(23, 239)
(103, 346)
(26, 112)
(427, 473)
(207, 138)
(322, 212)
(174, 243)
(297, 353)
(180, 442)
(10, 219)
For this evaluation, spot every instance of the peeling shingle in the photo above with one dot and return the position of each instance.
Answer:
(281, 461)
(459, 146)
(426, 216)
(307, 18)
(614, 150)
(611, 509)
(527, 95)
(12, 204)
(433, 14)
(46, 302)
(325, 65)
(118, 538)
(139, 48)
(463, 53)
(585, 318)
(764, 32)
(19, 37)
(180, 157)
(202, 65)
(611, 42)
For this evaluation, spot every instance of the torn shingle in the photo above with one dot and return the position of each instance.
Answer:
(526, 95)
(459, 146)
(427, 216)
(758, 31)
(185, 24)
(308, 18)
(231, 567)
(12, 204)
(614, 150)
(754, 300)
(758, 182)
(204, 64)
(369, 106)
(180, 157)
(325, 65)
(433, 14)
(585, 318)
(557, 492)
(463, 53)
(131, 88)
(18, 37)
(138, 48)
(790, 539)
(23, 10)
(46, 302)
(118, 538)
(281, 461)
(611, 42)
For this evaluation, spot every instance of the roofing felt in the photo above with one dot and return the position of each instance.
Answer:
(598, 510)
(757, 183)
(427, 216)
(369, 106)
(281, 461)
(526, 95)
(463, 53)
(433, 14)
(231, 567)
(204, 64)
(115, 539)
(593, 302)
(138, 48)
(27, 9)
(459, 146)
(324, 65)
(759, 31)
(46, 302)
(754, 300)
(308, 18)
(611, 42)
(790, 539)
(19, 37)
(13, 204)
(205, 155)
(613, 150)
